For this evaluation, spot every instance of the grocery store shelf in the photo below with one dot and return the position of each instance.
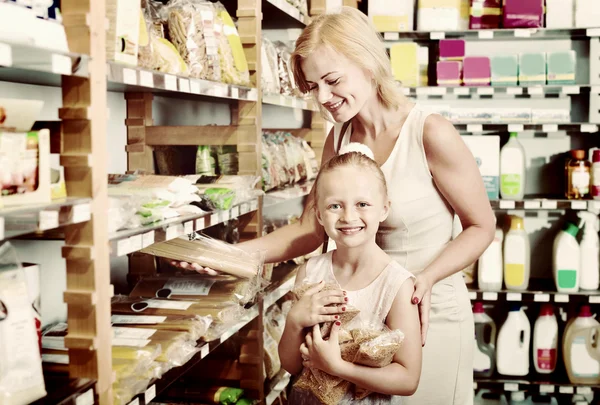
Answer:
(465, 92)
(29, 218)
(502, 34)
(288, 101)
(63, 390)
(287, 194)
(131, 240)
(545, 204)
(551, 384)
(540, 290)
(282, 10)
(510, 127)
(21, 63)
(130, 78)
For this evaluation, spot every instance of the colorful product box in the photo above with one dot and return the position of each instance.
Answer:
(523, 14)
(561, 67)
(505, 70)
(449, 73)
(452, 49)
(532, 68)
(477, 71)
(560, 13)
(392, 16)
(405, 63)
(485, 14)
(439, 15)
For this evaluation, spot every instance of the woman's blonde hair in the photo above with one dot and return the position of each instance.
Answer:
(350, 33)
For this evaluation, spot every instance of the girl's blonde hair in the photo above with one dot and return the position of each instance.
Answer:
(350, 33)
(354, 159)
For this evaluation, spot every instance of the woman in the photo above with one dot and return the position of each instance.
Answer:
(432, 175)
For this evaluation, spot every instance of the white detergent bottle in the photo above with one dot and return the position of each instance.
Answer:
(566, 259)
(490, 269)
(545, 340)
(512, 169)
(516, 256)
(519, 398)
(513, 344)
(589, 278)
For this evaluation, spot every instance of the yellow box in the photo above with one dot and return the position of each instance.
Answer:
(405, 63)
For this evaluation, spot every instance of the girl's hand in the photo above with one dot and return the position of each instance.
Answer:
(422, 296)
(195, 267)
(320, 354)
(312, 309)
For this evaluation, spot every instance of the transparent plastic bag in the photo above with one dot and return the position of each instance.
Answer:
(195, 325)
(234, 67)
(380, 351)
(275, 323)
(269, 74)
(330, 394)
(272, 362)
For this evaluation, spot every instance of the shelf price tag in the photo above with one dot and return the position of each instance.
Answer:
(566, 390)
(235, 92)
(474, 128)
(532, 205)
(147, 239)
(541, 297)
(2, 228)
(514, 91)
(87, 398)
(146, 79)
(391, 36)
(200, 223)
(129, 76)
(549, 205)
(507, 204)
(61, 65)
(188, 227)
(174, 231)
(514, 297)
(135, 402)
(135, 243)
(594, 299)
(486, 34)
(123, 247)
(184, 85)
(437, 35)
(561, 298)
(80, 213)
(490, 296)
(546, 389)
(461, 91)
(516, 127)
(485, 91)
(171, 82)
(472, 295)
(584, 390)
(204, 351)
(570, 90)
(214, 219)
(5, 55)
(589, 128)
(522, 33)
(195, 86)
(578, 205)
(48, 220)
(549, 128)
(592, 32)
(511, 387)
(253, 205)
(150, 394)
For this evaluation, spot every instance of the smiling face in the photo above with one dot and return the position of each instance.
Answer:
(338, 84)
(351, 204)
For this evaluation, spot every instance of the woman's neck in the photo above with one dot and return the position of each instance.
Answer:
(375, 119)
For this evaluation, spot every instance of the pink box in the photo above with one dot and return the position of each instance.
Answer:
(485, 14)
(477, 71)
(523, 14)
(452, 49)
(449, 73)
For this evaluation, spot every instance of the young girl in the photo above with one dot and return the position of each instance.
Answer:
(351, 200)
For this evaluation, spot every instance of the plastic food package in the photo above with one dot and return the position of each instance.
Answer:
(286, 77)
(21, 378)
(379, 352)
(332, 396)
(275, 323)
(211, 253)
(269, 74)
(195, 325)
(234, 67)
(221, 395)
(244, 187)
(191, 31)
(272, 362)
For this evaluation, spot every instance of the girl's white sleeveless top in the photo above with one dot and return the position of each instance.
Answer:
(421, 220)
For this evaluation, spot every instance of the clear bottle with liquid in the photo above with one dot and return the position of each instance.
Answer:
(578, 174)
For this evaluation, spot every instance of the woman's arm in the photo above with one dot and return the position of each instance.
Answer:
(297, 239)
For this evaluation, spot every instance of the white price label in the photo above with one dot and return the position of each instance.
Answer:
(437, 35)
(472, 295)
(546, 389)
(48, 220)
(592, 32)
(594, 299)
(486, 34)
(184, 85)
(578, 205)
(535, 90)
(195, 86)
(87, 398)
(524, 33)
(490, 296)
(406, 91)
(561, 298)
(146, 79)
(485, 91)
(200, 224)
(566, 390)
(174, 231)
(80, 213)
(515, 127)
(61, 65)
(253, 205)
(589, 128)
(474, 385)
(123, 247)
(171, 82)
(214, 219)
(474, 128)
(461, 91)
(129, 76)
(188, 227)
(235, 212)
(148, 239)
(507, 204)
(204, 351)
(176, 305)
(150, 394)
(532, 205)
(391, 36)
(225, 216)
(584, 390)
(135, 402)
(5, 55)
(515, 91)
(1, 228)
(295, 103)
(135, 243)
(541, 297)
(549, 205)
(511, 387)
(514, 297)
(549, 128)
(570, 90)
(235, 92)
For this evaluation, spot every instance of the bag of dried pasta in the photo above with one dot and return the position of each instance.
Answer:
(196, 326)
(234, 67)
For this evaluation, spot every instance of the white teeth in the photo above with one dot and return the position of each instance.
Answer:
(336, 105)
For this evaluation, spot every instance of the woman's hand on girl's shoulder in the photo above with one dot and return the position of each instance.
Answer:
(317, 306)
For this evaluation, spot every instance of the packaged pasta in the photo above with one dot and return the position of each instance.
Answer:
(286, 78)
(275, 323)
(379, 351)
(234, 67)
(211, 253)
(195, 325)
(269, 75)
(327, 396)
(272, 362)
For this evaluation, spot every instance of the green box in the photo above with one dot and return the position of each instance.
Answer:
(505, 70)
(561, 67)
(532, 68)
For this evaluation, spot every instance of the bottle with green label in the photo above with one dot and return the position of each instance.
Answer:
(566, 259)
(512, 169)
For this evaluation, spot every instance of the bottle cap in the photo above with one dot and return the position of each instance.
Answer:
(596, 155)
(517, 396)
(571, 229)
(547, 310)
(478, 308)
(515, 307)
(585, 311)
(578, 154)
(516, 222)
(514, 135)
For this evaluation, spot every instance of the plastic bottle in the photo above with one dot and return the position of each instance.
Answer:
(484, 357)
(512, 169)
(545, 340)
(595, 189)
(566, 259)
(519, 398)
(581, 358)
(577, 171)
(516, 256)
(488, 397)
(512, 353)
(490, 269)
(589, 278)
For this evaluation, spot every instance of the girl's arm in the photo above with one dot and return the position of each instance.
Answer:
(297, 239)
(399, 378)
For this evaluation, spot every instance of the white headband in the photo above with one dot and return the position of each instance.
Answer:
(357, 147)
